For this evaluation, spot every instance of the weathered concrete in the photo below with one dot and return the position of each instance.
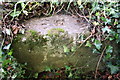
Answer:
(71, 24)
(54, 51)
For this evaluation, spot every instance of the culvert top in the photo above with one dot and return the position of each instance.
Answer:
(55, 52)
(73, 25)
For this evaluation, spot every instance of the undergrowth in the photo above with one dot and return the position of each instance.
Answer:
(103, 16)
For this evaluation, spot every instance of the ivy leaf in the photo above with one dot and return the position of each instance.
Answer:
(118, 26)
(7, 47)
(25, 12)
(47, 68)
(106, 29)
(81, 6)
(112, 11)
(10, 53)
(66, 50)
(95, 23)
(79, 2)
(96, 51)
(109, 49)
(97, 14)
(97, 44)
(113, 68)
(67, 67)
(116, 15)
(73, 49)
(111, 38)
(88, 44)
(116, 22)
(95, 6)
(108, 56)
(15, 14)
(108, 21)
(5, 62)
(70, 75)
(103, 19)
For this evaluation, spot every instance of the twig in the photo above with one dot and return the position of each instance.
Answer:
(98, 63)
(82, 16)
(2, 43)
(6, 16)
(59, 10)
(48, 12)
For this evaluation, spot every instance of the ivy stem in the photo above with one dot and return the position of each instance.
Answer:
(98, 63)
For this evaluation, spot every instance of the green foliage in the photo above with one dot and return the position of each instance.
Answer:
(32, 32)
(73, 48)
(106, 29)
(66, 50)
(0, 55)
(107, 14)
(69, 71)
(10, 67)
(98, 44)
(55, 31)
(113, 69)
(88, 44)
(109, 49)
(96, 51)
(48, 68)
(16, 13)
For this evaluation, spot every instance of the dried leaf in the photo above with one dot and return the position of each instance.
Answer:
(16, 31)
(7, 42)
(8, 31)
(0, 22)
(14, 27)
(9, 68)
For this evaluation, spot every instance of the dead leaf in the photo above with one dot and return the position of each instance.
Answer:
(9, 68)
(14, 27)
(16, 31)
(7, 42)
(0, 22)
(7, 31)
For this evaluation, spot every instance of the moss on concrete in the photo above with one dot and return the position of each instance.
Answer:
(47, 51)
(55, 31)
